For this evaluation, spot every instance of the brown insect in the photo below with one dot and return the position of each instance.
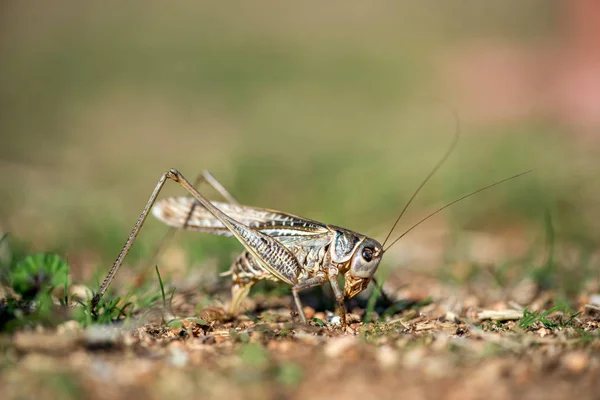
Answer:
(278, 246)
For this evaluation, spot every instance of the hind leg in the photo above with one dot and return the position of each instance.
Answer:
(239, 292)
(245, 272)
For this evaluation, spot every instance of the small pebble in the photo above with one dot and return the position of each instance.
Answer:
(542, 332)
(595, 299)
(309, 312)
(320, 315)
(101, 335)
(451, 317)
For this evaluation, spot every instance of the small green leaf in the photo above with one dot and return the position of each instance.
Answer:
(41, 272)
(175, 323)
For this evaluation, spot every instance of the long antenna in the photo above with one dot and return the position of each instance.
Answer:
(454, 202)
(433, 171)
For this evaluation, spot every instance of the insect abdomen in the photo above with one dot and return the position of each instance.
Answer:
(245, 268)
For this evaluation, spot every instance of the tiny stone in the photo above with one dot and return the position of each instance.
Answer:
(595, 299)
(353, 318)
(100, 335)
(542, 332)
(309, 312)
(500, 315)
(451, 317)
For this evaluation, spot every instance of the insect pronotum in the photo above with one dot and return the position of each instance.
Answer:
(277, 246)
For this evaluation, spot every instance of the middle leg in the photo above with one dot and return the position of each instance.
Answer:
(303, 285)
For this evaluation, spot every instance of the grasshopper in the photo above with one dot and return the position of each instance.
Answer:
(278, 246)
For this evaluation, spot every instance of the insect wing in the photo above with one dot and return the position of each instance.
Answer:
(272, 255)
(175, 211)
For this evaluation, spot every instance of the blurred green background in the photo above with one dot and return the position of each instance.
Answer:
(335, 111)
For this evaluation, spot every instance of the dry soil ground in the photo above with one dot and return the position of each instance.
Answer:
(433, 348)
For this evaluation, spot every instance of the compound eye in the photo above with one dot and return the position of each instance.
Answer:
(367, 254)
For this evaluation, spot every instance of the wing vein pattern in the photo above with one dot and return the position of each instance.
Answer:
(174, 211)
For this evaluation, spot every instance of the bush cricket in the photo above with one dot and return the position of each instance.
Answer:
(277, 246)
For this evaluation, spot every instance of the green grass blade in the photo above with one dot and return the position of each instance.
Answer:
(162, 288)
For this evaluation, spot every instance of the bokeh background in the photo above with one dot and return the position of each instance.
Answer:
(335, 111)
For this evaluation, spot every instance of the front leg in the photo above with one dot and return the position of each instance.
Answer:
(339, 296)
(303, 285)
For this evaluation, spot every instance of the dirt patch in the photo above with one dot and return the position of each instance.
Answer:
(423, 351)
